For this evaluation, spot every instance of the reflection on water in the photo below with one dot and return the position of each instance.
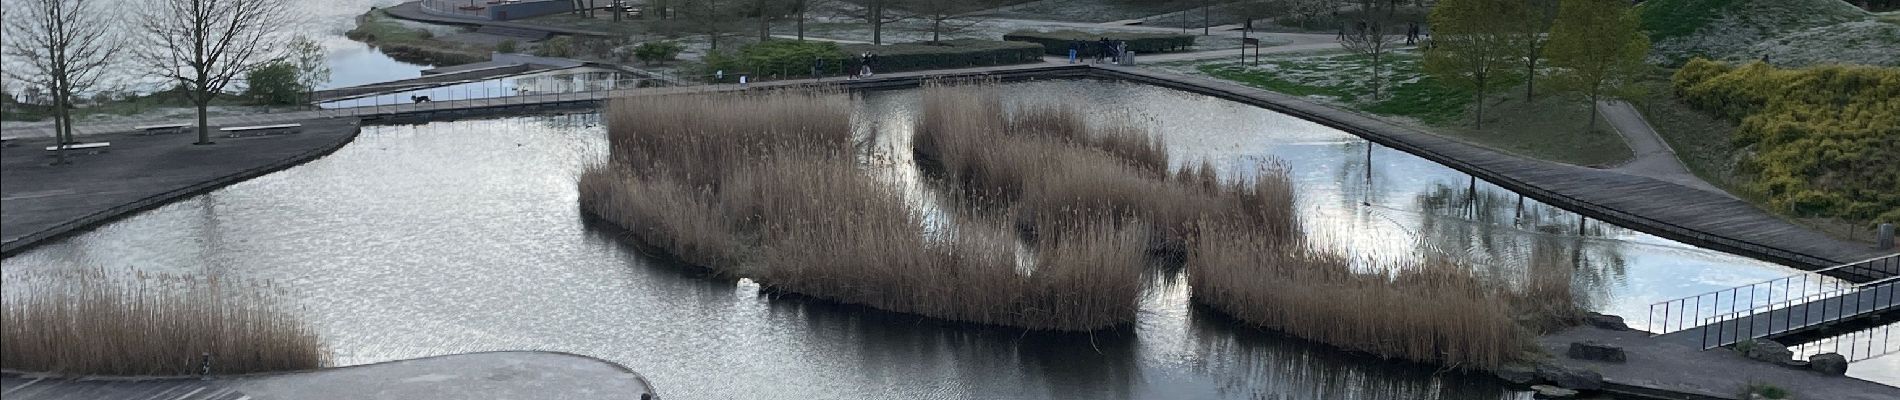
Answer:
(464, 236)
(570, 80)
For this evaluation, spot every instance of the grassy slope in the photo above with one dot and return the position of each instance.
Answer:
(1737, 30)
(1533, 129)
(411, 45)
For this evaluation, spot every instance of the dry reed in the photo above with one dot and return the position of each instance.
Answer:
(770, 189)
(90, 322)
(1241, 240)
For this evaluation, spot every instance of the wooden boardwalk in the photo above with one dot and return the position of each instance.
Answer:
(1653, 206)
(19, 387)
(1649, 205)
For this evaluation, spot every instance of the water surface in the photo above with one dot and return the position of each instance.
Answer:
(453, 237)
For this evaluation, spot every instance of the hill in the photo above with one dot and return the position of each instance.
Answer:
(1788, 32)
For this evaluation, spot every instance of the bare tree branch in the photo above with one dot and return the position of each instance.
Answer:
(205, 45)
(62, 46)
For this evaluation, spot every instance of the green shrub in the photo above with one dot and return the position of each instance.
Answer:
(1058, 42)
(507, 46)
(948, 54)
(559, 46)
(660, 51)
(1823, 138)
(274, 83)
(776, 58)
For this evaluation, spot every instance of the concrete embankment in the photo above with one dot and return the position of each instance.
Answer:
(496, 375)
(42, 201)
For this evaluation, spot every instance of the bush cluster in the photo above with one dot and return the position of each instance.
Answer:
(1821, 140)
(947, 54)
(1058, 42)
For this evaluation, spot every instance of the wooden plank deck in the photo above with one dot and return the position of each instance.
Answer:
(1653, 206)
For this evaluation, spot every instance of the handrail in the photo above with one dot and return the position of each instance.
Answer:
(1690, 312)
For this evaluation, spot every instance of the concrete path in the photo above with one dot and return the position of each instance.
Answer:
(497, 375)
(1654, 158)
(39, 201)
(1683, 367)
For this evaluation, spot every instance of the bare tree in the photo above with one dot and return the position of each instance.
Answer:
(63, 46)
(710, 17)
(879, 13)
(204, 45)
(947, 16)
(1370, 36)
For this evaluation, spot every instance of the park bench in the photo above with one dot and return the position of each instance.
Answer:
(164, 128)
(79, 146)
(238, 131)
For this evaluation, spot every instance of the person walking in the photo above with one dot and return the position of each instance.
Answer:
(1074, 46)
(817, 68)
(1411, 33)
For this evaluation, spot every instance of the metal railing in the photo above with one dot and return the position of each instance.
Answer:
(1856, 346)
(1779, 305)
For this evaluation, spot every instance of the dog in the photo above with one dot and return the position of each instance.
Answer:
(419, 99)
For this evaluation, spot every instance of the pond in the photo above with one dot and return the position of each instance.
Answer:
(452, 237)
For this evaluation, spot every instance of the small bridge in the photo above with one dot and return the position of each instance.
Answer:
(1783, 307)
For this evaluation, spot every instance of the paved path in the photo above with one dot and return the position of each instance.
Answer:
(1654, 158)
(497, 375)
(1683, 367)
(39, 201)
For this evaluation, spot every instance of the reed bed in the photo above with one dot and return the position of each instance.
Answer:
(1241, 240)
(769, 188)
(91, 322)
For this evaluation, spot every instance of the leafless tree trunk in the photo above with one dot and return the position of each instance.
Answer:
(204, 45)
(1369, 37)
(878, 13)
(946, 16)
(709, 17)
(62, 46)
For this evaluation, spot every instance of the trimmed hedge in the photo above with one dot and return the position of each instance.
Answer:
(779, 59)
(1057, 43)
(945, 54)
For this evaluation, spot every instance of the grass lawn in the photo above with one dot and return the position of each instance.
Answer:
(1552, 128)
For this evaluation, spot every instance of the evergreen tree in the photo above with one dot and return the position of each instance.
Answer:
(1598, 48)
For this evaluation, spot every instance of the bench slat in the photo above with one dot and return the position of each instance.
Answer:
(157, 127)
(259, 127)
(77, 146)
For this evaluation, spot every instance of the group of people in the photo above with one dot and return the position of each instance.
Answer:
(861, 68)
(1111, 50)
(1414, 33)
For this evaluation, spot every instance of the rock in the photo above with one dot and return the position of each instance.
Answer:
(1570, 378)
(1552, 392)
(1765, 350)
(1517, 374)
(1795, 364)
(1605, 321)
(1829, 363)
(1596, 351)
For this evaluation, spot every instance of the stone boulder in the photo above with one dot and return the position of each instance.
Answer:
(1606, 321)
(1765, 350)
(1552, 392)
(1570, 378)
(1829, 363)
(1517, 374)
(1596, 351)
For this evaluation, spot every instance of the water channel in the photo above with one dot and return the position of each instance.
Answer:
(451, 237)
